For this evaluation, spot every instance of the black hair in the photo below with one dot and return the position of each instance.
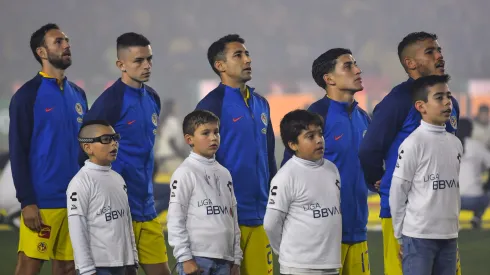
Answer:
(93, 122)
(131, 39)
(196, 119)
(217, 50)
(325, 64)
(420, 86)
(412, 38)
(296, 121)
(37, 39)
(465, 130)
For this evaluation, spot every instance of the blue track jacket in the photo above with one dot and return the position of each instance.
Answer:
(343, 132)
(394, 119)
(133, 113)
(43, 145)
(247, 148)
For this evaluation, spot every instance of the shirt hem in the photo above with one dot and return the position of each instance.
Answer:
(431, 236)
(310, 266)
(214, 256)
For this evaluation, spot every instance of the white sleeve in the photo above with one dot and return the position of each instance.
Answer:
(79, 236)
(181, 188)
(237, 249)
(273, 225)
(280, 196)
(133, 241)
(407, 162)
(398, 203)
(78, 197)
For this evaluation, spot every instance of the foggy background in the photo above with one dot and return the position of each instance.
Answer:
(283, 37)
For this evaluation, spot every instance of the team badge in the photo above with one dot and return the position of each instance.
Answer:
(454, 122)
(80, 120)
(263, 117)
(154, 119)
(42, 247)
(79, 109)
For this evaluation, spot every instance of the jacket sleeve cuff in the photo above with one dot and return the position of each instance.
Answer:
(27, 201)
(400, 241)
(238, 261)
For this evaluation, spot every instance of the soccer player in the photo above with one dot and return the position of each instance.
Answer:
(394, 118)
(202, 217)
(336, 72)
(424, 194)
(132, 108)
(99, 218)
(45, 116)
(303, 219)
(247, 145)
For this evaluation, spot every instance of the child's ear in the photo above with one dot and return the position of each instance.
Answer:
(293, 146)
(86, 148)
(420, 106)
(189, 139)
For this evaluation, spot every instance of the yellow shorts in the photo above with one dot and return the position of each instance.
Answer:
(150, 242)
(257, 252)
(391, 248)
(355, 259)
(53, 242)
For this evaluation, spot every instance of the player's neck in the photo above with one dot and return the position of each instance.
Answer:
(414, 75)
(131, 82)
(235, 84)
(341, 96)
(433, 122)
(53, 72)
(100, 162)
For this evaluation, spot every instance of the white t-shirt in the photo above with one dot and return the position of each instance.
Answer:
(98, 195)
(475, 160)
(309, 194)
(425, 202)
(202, 218)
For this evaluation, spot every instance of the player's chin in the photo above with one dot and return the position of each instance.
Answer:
(440, 71)
(246, 77)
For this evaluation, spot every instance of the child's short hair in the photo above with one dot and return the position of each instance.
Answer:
(93, 122)
(294, 122)
(196, 119)
(419, 86)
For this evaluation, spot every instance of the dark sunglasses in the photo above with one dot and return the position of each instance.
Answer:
(104, 139)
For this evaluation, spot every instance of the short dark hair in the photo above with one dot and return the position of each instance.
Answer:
(419, 86)
(37, 39)
(94, 122)
(196, 119)
(217, 50)
(325, 64)
(296, 121)
(412, 38)
(131, 39)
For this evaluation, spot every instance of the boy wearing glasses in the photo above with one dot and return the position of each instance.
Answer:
(99, 219)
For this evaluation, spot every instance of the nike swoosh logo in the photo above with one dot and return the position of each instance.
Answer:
(269, 271)
(337, 138)
(131, 122)
(48, 109)
(237, 119)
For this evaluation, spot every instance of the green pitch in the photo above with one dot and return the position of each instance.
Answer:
(473, 245)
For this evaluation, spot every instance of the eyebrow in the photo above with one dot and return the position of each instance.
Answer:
(141, 58)
(442, 93)
(240, 51)
(433, 48)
